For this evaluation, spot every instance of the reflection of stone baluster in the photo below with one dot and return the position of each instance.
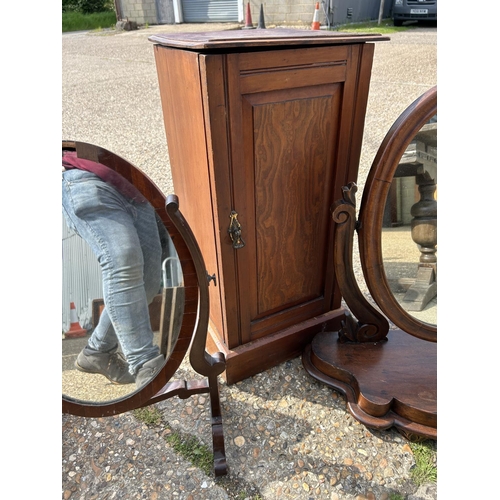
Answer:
(424, 224)
(424, 234)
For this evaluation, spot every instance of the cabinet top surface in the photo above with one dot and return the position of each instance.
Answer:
(216, 40)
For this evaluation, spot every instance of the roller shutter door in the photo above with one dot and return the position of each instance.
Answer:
(206, 11)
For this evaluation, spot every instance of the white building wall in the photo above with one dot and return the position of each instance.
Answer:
(140, 11)
(283, 12)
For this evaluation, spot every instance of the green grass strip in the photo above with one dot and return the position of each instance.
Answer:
(76, 21)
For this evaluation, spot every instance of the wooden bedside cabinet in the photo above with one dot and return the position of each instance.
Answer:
(263, 128)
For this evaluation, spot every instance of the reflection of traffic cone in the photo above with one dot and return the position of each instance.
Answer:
(315, 23)
(75, 330)
(262, 24)
(248, 19)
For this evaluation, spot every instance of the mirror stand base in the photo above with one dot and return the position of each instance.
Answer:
(185, 389)
(391, 383)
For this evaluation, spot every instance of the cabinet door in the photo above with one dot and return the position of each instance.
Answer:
(291, 118)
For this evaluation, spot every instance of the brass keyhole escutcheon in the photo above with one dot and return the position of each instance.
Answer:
(234, 231)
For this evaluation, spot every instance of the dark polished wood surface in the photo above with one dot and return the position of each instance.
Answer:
(388, 383)
(216, 40)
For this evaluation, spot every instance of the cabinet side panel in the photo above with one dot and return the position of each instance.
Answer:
(182, 105)
(354, 104)
(361, 99)
(213, 85)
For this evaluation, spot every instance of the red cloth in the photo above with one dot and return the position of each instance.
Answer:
(71, 160)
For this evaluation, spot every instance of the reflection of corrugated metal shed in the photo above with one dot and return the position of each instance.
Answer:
(81, 276)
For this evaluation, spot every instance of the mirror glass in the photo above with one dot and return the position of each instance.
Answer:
(89, 286)
(409, 229)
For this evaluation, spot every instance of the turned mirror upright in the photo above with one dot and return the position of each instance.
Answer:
(384, 358)
(178, 313)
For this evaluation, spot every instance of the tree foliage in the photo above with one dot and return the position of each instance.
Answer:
(86, 6)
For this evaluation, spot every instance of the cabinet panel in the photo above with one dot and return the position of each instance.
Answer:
(292, 78)
(291, 69)
(285, 145)
(292, 189)
(277, 59)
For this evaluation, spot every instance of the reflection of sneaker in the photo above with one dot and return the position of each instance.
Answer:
(149, 370)
(112, 365)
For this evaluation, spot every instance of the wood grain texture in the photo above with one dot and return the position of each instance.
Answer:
(387, 383)
(262, 38)
(290, 197)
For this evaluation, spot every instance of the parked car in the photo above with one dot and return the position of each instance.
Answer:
(414, 10)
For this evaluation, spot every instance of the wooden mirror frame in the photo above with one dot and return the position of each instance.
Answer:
(372, 207)
(194, 326)
(389, 378)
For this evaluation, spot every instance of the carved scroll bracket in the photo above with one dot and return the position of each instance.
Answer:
(371, 325)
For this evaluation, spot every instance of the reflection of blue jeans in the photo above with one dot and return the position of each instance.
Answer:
(123, 234)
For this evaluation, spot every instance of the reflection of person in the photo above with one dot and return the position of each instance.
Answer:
(120, 226)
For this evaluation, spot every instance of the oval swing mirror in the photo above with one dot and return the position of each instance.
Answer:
(170, 284)
(398, 221)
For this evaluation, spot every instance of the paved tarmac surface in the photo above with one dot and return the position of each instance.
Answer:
(286, 435)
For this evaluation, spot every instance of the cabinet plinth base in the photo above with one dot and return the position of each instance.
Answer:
(387, 383)
(254, 357)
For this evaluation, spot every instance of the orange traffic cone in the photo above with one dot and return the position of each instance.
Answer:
(75, 330)
(315, 23)
(248, 19)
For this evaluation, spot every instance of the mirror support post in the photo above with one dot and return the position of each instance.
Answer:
(202, 362)
(371, 325)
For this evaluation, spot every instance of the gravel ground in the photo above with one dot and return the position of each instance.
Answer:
(286, 435)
